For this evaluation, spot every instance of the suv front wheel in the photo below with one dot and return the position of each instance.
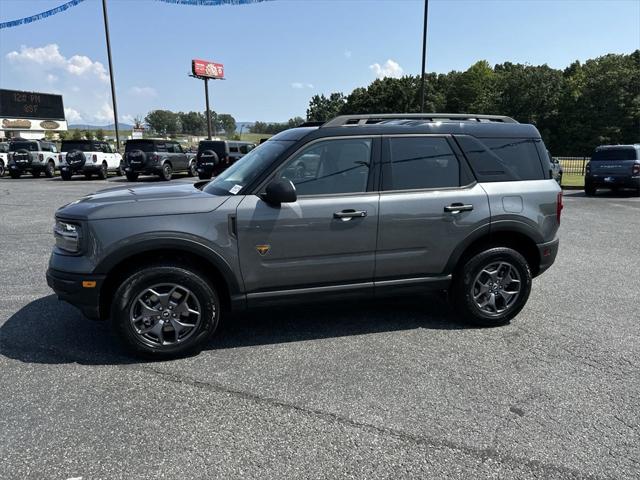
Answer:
(491, 287)
(167, 172)
(165, 311)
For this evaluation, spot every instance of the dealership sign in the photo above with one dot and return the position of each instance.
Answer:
(207, 69)
(21, 110)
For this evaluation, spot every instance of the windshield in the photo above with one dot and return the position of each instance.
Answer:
(615, 154)
(15, 146)
(247, 169)
(82, 146)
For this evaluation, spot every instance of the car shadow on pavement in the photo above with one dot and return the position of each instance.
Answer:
(602, 194)
(53, 332)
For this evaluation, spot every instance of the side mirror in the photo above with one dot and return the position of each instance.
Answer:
(280, 191)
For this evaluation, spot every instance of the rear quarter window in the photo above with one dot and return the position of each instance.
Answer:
(503, 159)
(615, 154)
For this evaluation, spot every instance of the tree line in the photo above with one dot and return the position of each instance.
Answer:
(575, 109)
(166, 122)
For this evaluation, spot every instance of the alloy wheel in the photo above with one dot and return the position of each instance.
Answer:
(496, 288)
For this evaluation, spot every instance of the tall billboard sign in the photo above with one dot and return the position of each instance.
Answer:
(207, 69)
(21, 110)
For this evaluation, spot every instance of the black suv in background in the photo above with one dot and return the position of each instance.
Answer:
(157, 157)
(214, 156)
(614, 167)
(32, 156)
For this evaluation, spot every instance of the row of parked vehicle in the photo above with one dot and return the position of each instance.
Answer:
(141, 157)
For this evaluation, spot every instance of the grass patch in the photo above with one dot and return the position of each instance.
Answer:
(572, 180)
(254, 137)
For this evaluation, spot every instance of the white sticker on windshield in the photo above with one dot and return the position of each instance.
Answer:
(235, 189)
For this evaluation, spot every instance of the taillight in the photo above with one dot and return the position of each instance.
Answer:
(95, 158)
(559, 207)
(636, 169)
(40, 157)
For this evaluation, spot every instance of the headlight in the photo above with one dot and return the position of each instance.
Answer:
(67, 236)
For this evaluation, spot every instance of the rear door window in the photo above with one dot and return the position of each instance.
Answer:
(420, 163)
(145, 146)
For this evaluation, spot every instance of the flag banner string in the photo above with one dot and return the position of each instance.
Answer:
(40, 16)
(73, 3)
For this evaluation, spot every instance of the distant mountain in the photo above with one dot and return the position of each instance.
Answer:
(112, 126)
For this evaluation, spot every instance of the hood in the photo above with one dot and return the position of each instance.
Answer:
(141, 201)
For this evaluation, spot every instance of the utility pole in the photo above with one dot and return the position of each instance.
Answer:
(206, 95)
(113, 86)
(424, 54)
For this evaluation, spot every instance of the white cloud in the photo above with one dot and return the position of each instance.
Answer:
(388, 69)
(105, 114)
(49, 57)
(72, 116)
(51, 78)
(347, 53)
(301, 85)
(128, 118)
(143, 91)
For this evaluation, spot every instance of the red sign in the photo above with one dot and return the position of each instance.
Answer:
(204, 68)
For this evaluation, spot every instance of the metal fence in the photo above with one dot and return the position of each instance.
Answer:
(573, 165)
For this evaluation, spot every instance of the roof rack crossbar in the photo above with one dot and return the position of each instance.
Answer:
(368, 119)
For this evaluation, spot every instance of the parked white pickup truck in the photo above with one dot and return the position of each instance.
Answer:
(89, 157)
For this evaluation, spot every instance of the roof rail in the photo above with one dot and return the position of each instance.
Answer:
(372, 119)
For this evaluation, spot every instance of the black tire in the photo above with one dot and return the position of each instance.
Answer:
(132, 176)
(159, 276)
(35, 173)
(465, 280)
(192, 171)
(88, 176)
(2, 168)
(103, 173)
(120, 170)
(589, 190)
(66, 175)
(15, 174)
(50, 169)
(204, 176)
(166, 172)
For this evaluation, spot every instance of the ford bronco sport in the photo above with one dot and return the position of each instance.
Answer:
(157, 157)
(32, 156)
(89, 157)
(614, 167)
(363, 206)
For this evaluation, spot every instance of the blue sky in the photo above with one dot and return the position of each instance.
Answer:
(279, 53)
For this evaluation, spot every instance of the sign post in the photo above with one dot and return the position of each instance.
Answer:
(205, 70)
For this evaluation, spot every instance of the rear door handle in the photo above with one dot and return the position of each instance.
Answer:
(348, 214)
(458, 207)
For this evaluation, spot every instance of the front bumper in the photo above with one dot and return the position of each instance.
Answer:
(548, 252)
(76, 289)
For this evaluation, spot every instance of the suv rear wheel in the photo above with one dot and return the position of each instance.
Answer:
(1, 168)
(165, 311)
(589, 190)
(167, 171)
(50, 169)
(491, 287)
(103, 173)
(192, 169)
(132, 176)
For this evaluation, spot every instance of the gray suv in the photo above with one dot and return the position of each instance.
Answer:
(363, 206)
(157, 157)
(614, 167)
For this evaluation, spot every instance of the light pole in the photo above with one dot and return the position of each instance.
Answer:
(424, 54)
(113, 86)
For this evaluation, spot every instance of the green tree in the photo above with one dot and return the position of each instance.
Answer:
(163, 122)
(63, 134)
(77, 134)
(100, 134)
(323, 108)
(194, 123)
(295, 121)
(226, 123)
(473, 91)
(88, 134)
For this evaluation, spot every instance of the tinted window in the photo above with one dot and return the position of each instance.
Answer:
(615, 154)
(421, 162)
(330, 167)
(145, 146)
(519, 154)
(218, 147)
(503, 159)
(68, 146)
(31, 146)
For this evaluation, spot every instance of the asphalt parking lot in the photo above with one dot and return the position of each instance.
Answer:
(393, 389)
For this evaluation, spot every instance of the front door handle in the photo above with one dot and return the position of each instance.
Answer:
(348, 214)
(458, 207)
